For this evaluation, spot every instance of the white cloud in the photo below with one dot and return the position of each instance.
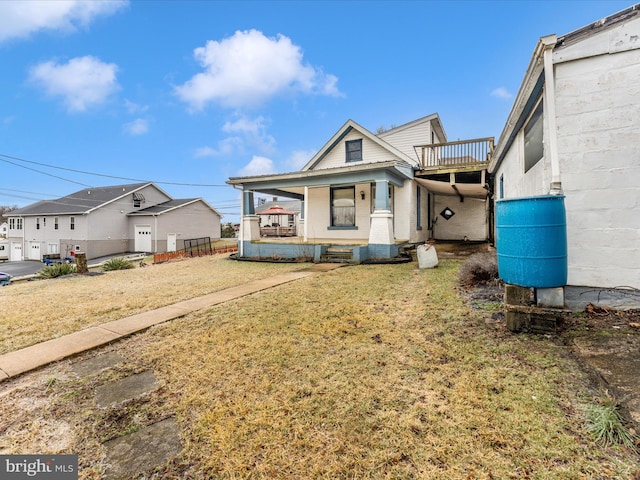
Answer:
(228, 146)
(501, 92)
(18, 19)
(299, 158)
(139, 126)
(257, 166)
(253, 131)
(247, 69)
(134, 108)
(82, 82)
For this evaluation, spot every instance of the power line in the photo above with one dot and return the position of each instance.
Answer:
(39, 171)
(137, 180)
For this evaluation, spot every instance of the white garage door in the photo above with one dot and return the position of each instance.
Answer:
(143, 238)
(34, 250)
(16, 251)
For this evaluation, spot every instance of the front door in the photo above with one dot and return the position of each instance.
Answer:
(143, 238)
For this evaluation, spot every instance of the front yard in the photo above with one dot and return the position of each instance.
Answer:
(378, 371)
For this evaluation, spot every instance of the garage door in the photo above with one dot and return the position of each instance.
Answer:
(16, 251)
(143, 238)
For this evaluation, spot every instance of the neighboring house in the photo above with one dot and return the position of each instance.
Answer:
(574, 130)
(109, 220)
(371, 195)
(4, 229)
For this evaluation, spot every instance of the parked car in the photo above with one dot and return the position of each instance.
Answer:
(5, 279)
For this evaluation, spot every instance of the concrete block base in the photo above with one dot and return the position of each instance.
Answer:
(550, 297)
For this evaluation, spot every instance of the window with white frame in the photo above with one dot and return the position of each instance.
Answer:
(55, 223)
(37, 223)
(72, 223)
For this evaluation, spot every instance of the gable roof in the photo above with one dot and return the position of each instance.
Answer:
(82, 201)
(169, 206)
(343, 132)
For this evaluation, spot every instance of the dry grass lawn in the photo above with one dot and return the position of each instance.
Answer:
(43, 309)
(365, 372)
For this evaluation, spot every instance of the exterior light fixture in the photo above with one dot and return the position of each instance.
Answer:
(362, 194)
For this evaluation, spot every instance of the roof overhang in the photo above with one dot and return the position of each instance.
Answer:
(292, 185)
(471, 190)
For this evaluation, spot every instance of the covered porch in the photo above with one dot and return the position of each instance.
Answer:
(346, 211)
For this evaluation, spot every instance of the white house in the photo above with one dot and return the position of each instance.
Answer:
(573, 131)
(370, 195)
(103, 221)
(4, 229)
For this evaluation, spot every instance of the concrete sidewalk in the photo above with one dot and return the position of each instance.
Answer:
(30, 358)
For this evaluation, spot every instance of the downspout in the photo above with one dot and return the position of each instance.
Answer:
(155, 233)
(548, 43)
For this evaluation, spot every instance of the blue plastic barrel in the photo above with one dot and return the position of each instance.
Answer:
(531, 241)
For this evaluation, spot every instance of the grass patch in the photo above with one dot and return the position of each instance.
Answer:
(607, 426)
(376, 372)
(37, 311)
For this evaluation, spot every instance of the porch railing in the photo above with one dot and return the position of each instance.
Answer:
(463, 153)
(278, 231)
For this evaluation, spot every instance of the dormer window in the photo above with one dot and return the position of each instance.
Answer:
(354, 150)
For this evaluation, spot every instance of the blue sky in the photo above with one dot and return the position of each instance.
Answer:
(182, 92)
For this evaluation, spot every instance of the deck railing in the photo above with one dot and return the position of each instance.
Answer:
(463, 153)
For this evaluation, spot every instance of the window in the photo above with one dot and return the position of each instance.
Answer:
(72, 223)
(55, 223)
(501, 186)
(343, 207)
(354, 150)
(12, 224)
(37, 223)
(18, 224)
(533, 147)
(44, 222)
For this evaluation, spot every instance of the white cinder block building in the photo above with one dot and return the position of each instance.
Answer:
(574, 130)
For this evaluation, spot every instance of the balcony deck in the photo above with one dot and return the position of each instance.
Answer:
(459, 156)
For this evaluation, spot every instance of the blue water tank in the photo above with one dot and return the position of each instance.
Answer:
(531, 241)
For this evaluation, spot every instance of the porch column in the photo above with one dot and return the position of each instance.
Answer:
(303, 214)
(381, 237)
(250, 224)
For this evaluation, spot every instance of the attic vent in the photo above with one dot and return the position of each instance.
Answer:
(138, 199)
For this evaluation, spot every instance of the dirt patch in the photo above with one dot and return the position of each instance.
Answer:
(604, 341)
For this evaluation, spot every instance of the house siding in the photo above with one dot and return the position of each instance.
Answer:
(469, 221)
(371, 153)
(199, 221)
(404, 139)
(598, 109)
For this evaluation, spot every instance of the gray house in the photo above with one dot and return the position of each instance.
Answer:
(100, 221)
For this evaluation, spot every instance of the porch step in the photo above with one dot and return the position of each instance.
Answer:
(337, 254)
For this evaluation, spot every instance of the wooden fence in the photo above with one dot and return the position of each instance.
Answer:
(165, 257)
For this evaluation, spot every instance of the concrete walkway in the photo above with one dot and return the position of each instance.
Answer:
(30, 358)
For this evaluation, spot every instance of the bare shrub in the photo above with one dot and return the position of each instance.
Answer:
(480, 268)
